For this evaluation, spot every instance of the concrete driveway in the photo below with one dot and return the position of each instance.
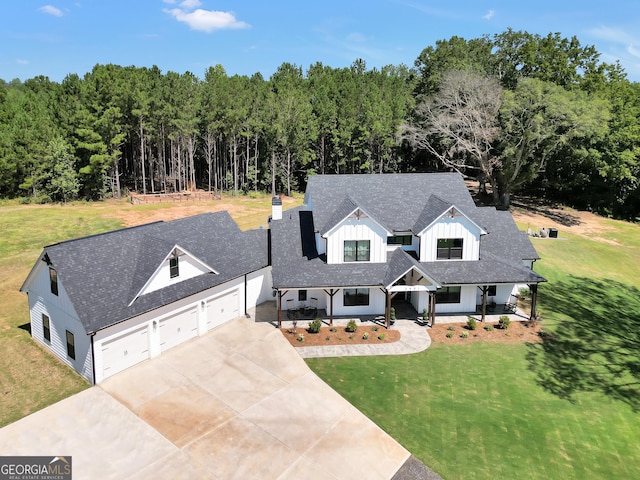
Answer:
(238, 402)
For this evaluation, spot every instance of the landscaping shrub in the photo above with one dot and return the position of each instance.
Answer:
(374, 328)
(333, 329)
(381, 336)
(449, 335)
(301, 338)
(451, 328)
(464, 334)
(351, 326)
(314, 326)
(365, 336)
(472, 324)
(488, 328)
(504, 322)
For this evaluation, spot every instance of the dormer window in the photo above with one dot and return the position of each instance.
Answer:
(400, 240)
(174, 269)
(449, 249)
(53, 280)
(357, 250)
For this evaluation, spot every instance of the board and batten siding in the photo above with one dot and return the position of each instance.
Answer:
(353, 229)
(377, 302)
(187, 268)
(503, 294)
(467, 302)
(445, 227)
(62, 317)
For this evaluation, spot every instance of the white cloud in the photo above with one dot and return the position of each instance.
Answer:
(613, 35)
(190, 4)
(21, 61)
(51, 10)
(633, 51)
(206, 20)
(489, 14)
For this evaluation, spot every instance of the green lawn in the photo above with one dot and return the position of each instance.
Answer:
(567, 408)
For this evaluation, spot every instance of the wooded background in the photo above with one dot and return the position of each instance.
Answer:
(517, 111)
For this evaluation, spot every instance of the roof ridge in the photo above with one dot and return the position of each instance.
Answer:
(111, 232)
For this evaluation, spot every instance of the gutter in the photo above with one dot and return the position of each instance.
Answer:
(93, 359)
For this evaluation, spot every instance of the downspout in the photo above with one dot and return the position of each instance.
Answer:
(245, 297)
(93, 359)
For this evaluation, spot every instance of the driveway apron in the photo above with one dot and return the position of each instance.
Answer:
(236, 403)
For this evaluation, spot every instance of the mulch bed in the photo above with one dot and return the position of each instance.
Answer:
(340, 336)
(518, 332)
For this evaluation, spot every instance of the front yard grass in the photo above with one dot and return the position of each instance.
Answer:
(566, 408)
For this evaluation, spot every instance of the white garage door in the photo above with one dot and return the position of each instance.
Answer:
(177, 329)
(222, 309)
(125, 351)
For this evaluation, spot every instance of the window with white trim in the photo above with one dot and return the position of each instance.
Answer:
(357, 250)
(46, 328)
(449, 249)
(355, 296)
(174, 269)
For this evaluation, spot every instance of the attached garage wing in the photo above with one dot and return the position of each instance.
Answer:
(178, 329)
(222, 309)
(125, 351)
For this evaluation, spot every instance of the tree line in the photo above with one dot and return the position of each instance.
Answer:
(516, 111)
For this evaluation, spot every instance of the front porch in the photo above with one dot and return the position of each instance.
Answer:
(268, 312)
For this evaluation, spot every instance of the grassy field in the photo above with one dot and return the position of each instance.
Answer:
(30, 377)
(567, 408)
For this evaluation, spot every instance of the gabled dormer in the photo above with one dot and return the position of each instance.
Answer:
(353, 235)
(177, 266)
(447, 233)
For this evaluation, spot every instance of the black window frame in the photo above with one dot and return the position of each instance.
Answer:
(71, 345)
(492, 290)
(53, 281)
(357, 244)
(302, 295)
(450, 294)
(357, 297)
(46, 327)
(404, 240)
(174, 267)
(452, 250)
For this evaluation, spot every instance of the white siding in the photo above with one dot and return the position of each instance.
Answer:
(353, 229)
(62, 317)
(467, 302)
(259, 287)
(377, 301)
(187, 268)
(457, 227)
(503, 294)
(320, 294)
(321, 244)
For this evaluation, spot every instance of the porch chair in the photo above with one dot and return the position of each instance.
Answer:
(292, 312)
(313, 307)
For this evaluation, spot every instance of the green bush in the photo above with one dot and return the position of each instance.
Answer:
(374, 328)
(504, 322)
(488, 328)
(301, 338)
(381, 336)
(365, 336)
(472, 324)
(451, 328)
(464, 334)
(314, 326)
(351, 326)
(449, 335)
(333, 329)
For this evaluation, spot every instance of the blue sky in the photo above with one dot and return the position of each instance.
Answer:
(71, 36)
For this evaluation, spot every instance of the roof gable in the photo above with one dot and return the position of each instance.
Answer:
(435, 209)
(160, 278)
(402, 263)
(348, 209)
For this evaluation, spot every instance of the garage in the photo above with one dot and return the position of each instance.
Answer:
(222, 309)
(125, 351)
(178, 329)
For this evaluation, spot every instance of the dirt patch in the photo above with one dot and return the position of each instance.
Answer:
(518, 332)
(341, 336)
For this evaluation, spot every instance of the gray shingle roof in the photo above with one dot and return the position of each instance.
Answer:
(103, 273)
(394, 200)
(401, 202)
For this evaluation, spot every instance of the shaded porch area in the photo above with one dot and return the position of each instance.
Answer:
(268, 312)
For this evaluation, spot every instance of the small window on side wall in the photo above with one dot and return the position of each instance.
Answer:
(46, 328)
(491, 291)
(53, 280)
(71, 345)
(302, 295)
(174, 269)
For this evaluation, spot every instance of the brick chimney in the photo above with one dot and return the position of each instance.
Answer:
(276, 208)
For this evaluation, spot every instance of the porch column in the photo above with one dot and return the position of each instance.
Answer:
(432, 307)
(534, 301)
(387, 310)
(331, 293)
(279, 306)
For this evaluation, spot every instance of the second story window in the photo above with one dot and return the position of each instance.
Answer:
(53, 280)
(399, 240)
(449, 249)
(357, 250)
(174, 269)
